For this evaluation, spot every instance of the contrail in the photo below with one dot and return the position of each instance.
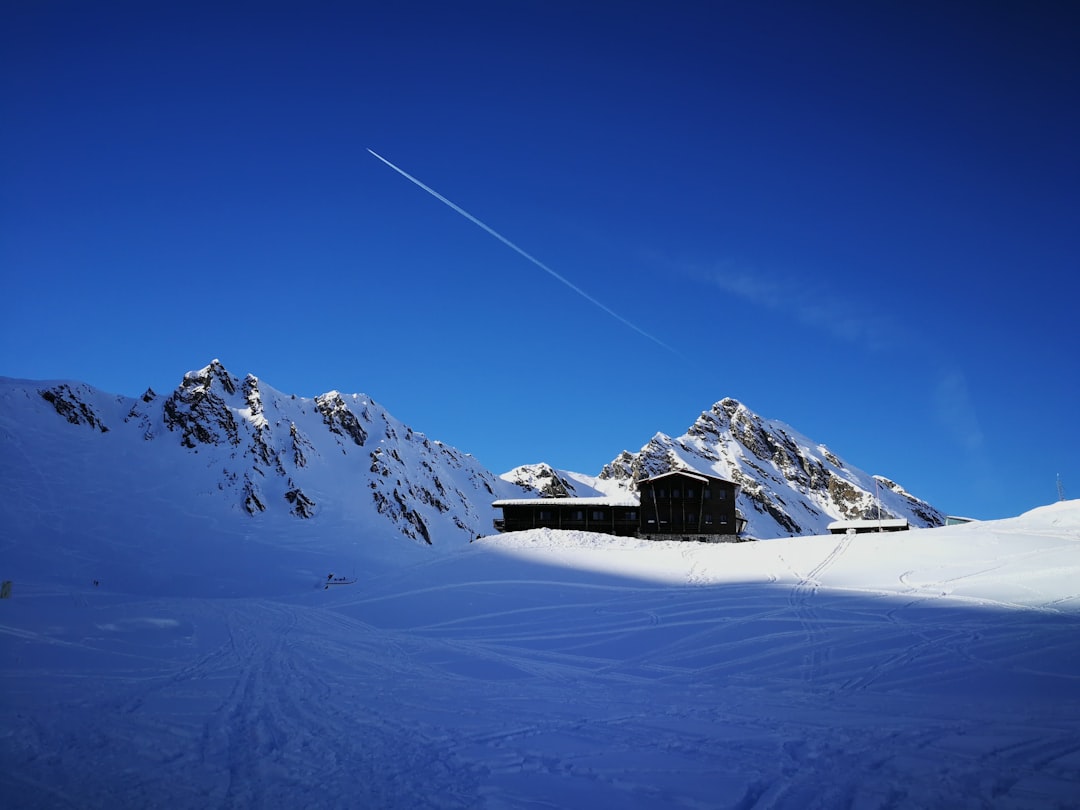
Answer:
(515, 248)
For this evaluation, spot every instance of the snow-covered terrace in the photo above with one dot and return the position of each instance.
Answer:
(632, 502)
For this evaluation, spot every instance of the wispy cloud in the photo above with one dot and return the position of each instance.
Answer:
(842, 316)
(866, 323)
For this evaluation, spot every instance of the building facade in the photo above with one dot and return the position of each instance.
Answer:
(688, 503)
(585, 514)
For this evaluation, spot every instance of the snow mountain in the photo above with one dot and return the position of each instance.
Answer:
(221, 443)
(544, 481)
(259, 452)
(789, 485)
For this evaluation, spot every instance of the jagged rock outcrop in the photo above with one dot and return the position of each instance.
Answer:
(302, 505)
(541, 480)
(69, 405)
(340, 419)
(198, 410)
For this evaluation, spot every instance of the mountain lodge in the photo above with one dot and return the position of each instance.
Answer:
(676, 505)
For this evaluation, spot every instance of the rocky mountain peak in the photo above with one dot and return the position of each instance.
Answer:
(198, 409)
(789, 485)
(214, 374)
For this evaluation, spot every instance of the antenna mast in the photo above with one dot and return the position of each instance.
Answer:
(1061, 489)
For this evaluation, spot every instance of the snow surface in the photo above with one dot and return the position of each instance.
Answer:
(936, 668)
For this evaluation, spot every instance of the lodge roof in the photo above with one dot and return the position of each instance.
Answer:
(697, 475)
(567, 502)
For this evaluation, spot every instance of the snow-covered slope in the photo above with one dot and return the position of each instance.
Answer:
(930, 669)
(232, 461)
(789, 484)
(544, 481)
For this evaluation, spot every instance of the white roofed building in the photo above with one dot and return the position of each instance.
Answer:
(868, 525)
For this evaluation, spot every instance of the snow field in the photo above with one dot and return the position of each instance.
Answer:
(935, 669)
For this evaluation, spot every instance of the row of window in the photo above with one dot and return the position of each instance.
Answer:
(707, 519)
(579, 515)
(706, 493)
(598, 515)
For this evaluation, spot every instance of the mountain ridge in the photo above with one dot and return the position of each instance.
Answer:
(264, 452)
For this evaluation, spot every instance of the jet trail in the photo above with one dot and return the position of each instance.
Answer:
(518, 250)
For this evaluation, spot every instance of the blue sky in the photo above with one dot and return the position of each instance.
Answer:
(862, 219)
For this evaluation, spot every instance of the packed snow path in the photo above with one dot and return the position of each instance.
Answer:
(547, 670)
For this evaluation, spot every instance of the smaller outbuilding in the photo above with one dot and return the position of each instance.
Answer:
(957, 520)
(867, 526)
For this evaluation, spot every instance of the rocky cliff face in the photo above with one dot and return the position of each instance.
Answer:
(789, 485)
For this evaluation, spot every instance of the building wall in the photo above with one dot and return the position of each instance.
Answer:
(678, 504)
(610, 520)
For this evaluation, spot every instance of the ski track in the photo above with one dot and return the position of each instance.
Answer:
(521, 689)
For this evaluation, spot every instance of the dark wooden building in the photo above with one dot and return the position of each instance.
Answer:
(586, 514)
(681, 502)
(677, 504)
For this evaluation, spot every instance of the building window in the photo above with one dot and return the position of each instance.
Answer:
(723, 520)
(630, 515)
(661, 493)
(597, 514)
(674, 493)
(691, 518)
(707, 493)
(690, 492)
(708, 520)
(546, 514)
(721, 494)
(577, 514)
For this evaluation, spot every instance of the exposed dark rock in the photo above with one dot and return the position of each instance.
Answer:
(253, 500)
(543, 480)
(68, 404)
(199, 413)
(302, 505)
(339, 418)
(299, 445)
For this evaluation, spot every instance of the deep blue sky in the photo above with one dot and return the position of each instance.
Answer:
(862, 219)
